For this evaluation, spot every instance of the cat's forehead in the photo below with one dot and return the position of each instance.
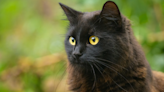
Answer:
(85, 23)
(89, 15)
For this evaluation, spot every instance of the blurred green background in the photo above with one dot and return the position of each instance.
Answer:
(32, 56)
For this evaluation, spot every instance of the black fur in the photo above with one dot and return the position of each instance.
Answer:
(116, 64)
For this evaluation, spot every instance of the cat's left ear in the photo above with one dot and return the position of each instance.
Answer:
(110, 12)
(72, 15)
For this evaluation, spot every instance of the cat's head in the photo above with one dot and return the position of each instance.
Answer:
(96, 37)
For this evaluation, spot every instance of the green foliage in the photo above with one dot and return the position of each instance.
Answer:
(34, 29)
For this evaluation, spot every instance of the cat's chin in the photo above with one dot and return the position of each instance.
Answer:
(81, 66)
(78, 62)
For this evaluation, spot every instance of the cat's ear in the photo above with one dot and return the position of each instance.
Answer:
(110, 12)
(72, 15)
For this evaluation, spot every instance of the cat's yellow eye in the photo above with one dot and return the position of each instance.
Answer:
(93, 40)
(72, 41)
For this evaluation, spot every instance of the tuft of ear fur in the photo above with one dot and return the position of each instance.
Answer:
(72, 15)
(110, 12)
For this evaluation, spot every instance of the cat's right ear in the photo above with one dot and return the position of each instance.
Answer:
(72, 15)
(110, 12)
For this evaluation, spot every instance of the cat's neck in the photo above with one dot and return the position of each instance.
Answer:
(137, 77)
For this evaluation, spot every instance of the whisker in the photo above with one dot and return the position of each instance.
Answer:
(112, 63)
(94, 76)
(119, 85)
(111, 78)
(116, 72)
(100, 71)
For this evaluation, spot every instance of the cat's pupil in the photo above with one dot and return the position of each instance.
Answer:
(73, 40)
(93, 39)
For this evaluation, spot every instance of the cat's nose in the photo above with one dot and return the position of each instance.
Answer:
(77, 53)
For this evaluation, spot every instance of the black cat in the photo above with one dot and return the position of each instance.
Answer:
(104, 55)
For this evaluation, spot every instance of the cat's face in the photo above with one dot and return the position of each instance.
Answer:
(95, 37)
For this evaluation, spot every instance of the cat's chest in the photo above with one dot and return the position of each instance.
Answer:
(118, 83)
